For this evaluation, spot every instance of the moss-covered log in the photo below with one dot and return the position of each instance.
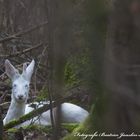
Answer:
(35, 113)
(38, 130)
(68, 126)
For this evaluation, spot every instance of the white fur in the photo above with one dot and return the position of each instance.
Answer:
(20, 88)
(70, 114)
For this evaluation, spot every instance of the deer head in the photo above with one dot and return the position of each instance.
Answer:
(20, 82)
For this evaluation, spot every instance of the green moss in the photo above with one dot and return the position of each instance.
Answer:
(40, 129)
(47, 129)
(70, 75)
(76, 67)
(11, 133)
(70, 126)
(72, 136)
(12, 130)
(43, 94)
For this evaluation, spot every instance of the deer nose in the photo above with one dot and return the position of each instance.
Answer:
(20, 96)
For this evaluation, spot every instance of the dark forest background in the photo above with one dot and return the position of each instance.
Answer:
(83, 50)
(65, 38)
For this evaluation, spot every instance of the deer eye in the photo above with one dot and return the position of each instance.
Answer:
(26, 86)
(14, 85)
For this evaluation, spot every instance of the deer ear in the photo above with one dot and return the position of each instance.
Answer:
(28, 70)
(25, 65)
(10, 70)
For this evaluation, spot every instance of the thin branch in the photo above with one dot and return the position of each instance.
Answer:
(5, 105)
(22, 52)
(1, 121)
(23, 32)
(39, 61)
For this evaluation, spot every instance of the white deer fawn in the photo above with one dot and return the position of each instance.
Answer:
(20, 89)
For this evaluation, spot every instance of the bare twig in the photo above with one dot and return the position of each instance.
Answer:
(38, 64)
(23, 32)
(1, 121)
(22, 52)
(5, 105)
